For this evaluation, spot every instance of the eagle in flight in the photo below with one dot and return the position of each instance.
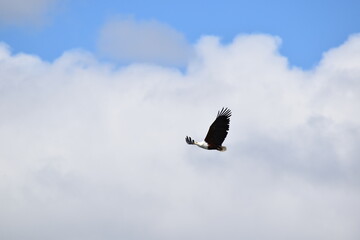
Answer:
(216, 134)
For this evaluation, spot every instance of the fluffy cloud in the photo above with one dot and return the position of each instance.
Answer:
(89, 151)
(128, 40)
(20, 12)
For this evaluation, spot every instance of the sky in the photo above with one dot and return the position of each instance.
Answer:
(96, 98)
(47, 28)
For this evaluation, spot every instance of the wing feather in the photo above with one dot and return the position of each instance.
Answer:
(219, 128)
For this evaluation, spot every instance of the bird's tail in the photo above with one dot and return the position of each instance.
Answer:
(189, 140)
(222, 149)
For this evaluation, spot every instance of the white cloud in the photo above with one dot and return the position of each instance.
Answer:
(93, 152)
(24, 12)
(128, 40)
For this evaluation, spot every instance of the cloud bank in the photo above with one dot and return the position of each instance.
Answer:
(89, 151)
(23, 12)
(128, 40)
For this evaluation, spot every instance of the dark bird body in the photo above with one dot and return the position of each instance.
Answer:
(217, 132)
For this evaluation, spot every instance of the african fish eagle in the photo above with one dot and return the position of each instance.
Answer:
(217, 132)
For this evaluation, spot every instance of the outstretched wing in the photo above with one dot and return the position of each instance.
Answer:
(219, 129)
(189, 140)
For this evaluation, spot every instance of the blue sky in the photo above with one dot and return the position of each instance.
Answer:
(307, 28)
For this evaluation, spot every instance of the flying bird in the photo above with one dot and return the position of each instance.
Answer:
(216, 134)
